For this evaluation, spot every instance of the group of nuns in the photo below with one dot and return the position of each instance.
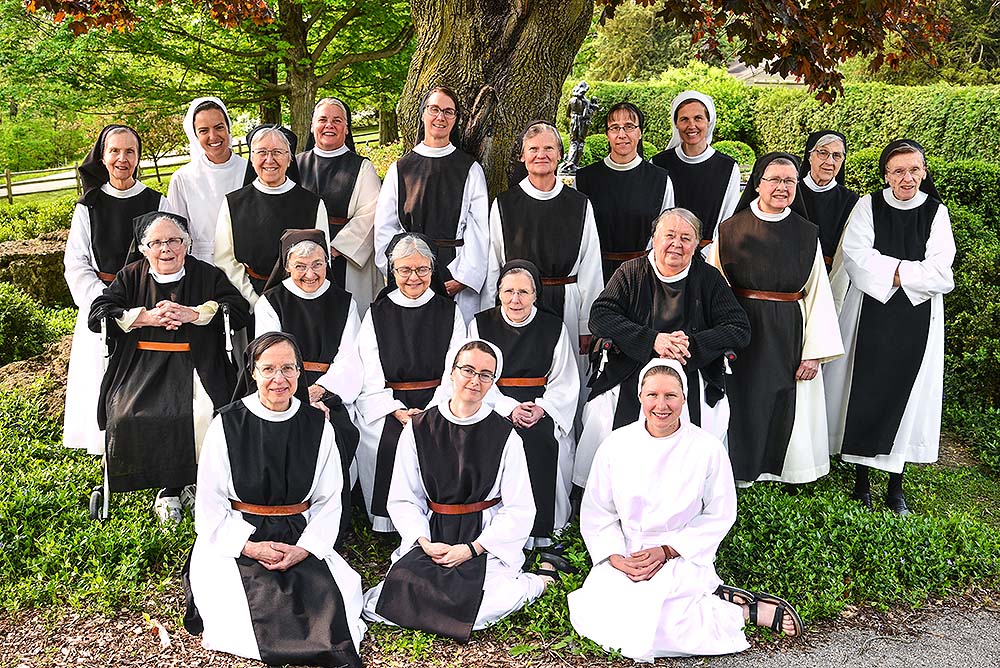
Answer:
(469, 365)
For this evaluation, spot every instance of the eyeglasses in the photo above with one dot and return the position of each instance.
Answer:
(509, 294)
(915, 172)
(775, 182)
(173, 243)
(288, 371)
(823, 155)
(628, 128)
(302, 268)
(406, 272)
(435, 110)
(274, 153)
(468, 372)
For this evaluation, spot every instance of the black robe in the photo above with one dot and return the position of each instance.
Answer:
(891, 337)
(459, 464)
(333, 179)
(111, 235)
(700, 187)
(762, 393)
(625, 205)
(528, 352)
(146, 396)
(829, 210)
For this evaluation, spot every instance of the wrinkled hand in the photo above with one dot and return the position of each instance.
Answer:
(526, 415)
(265, 552)
(444, 554)
(453, 287)
(321, 406)
(316, 392)
(807, 370)
(896, 282)
(404, 414)
(672, 345)
(585, 340)
(290, 556)
(334, 252)
(167, 314)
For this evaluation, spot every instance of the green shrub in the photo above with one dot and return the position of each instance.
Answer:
(736, 150)
(36, 143)
(382, 156)
(29, 220)
(24, 325)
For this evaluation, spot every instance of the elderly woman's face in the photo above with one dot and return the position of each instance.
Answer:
(164, 247)
(474, 363)
(777, 187)
(270, 158)
(407, 270)
(692, 124)
(903, 173)
(674, 244)
(825, 162)
(662, 399)
(121, 156)
(541, 154)
(623, 136)
(307, 271)
(329, 127)
(213, 135)
(517, 295)
(278, 362)
(439, 117)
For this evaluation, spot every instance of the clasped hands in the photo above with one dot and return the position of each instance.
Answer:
(274, 555)
(167, 314)
(644, 564)
(447, 555)
(673, 345)
(404, 414)
(527, 414)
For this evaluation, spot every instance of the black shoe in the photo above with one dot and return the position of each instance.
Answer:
(864, 498)
(897, 504)
(559, 563)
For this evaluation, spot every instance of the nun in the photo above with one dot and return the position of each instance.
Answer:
(100, 236)
(552, 226)
(263, 580)
(771, 256)
(440, 191)
(627, 191)
(538, 392)
(828, 202)
(349, 186)
(169, 371)
(300, 300)
(706, 182)
(403, 341)
(253, 218)
(461, 499)
(659, 502)
(198, 189)
(892, 272)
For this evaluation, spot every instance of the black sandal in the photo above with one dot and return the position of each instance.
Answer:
(557, 562)
(781, 608)
(728, 594)
(547, 572)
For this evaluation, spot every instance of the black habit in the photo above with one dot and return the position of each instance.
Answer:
(699, 187)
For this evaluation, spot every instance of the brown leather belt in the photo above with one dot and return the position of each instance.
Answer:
(562, 280)
(704, 242)
(107, 278)
(279, 511)
(462, 508)
(254, 274)
(339, 222)
(763, 295)
(622, 257)
(449, 243)
(316, 366)
(414, 385)
(828, 260)
(163, 347)
(522, 382)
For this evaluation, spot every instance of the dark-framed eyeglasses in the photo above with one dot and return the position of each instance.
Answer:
(288, 371)
(405, 272)
(468, 372)
(435, 110)
(173, 243)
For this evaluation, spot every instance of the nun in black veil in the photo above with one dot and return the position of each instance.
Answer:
(827, 200)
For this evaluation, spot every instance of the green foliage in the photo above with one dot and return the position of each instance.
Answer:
(28, 143)
(29, 220)
(381, 156)
(24, 325)
(739, 151)
(979, 427)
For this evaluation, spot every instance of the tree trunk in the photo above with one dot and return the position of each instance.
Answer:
(300, 75)
(388, 126)
(270, 108)
(506, 61)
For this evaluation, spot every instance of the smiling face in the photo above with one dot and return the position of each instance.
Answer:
(674, 244)
(517, 295)
(662, 399)
(437, 126)
(329, 126)
(270, 167)
(276, 394)
(776, 196)
(903, 173)
(824, 169)
(540, 154)
(121, 156)
(213, 135)
(168, 258)
(692, 124)
(623, 142)
(470, 391)
(412, 286)
(307, 271)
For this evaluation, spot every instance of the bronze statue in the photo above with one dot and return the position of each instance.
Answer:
(581, 111)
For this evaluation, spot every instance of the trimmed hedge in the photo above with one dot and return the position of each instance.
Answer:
(27, 221)
(24, 325)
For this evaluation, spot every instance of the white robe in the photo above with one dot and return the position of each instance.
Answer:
(222, 533)
(86, 359)
(356, 240)
(225, 254)
(645, 492)
(579, 296)
(859, 269)
(197, 191)
(469, 265)
(559, 402)
(376, 403)
(506, 588)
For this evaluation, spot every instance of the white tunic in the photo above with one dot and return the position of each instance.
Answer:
(222, 533)
(356, 240)
(86, 360)
(225, 255)
(645, 492)
(376, 402)
(858, 270)
(197, 191)
(505, 526)
(469, 265)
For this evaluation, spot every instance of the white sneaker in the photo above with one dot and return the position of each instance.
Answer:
(187, 497)
(168, 509)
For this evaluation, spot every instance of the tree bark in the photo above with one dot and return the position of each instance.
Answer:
(388, 125)
(300, 75)
(505, 60)
(270, 108)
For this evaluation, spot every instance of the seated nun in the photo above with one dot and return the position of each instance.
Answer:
(169, 371)
(461, 501)
(538, 392)
(300, 300)
(667, 304)
(264, 580)
(659, 501)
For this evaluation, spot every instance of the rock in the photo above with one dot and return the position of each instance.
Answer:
(52, 365)
(36, 266)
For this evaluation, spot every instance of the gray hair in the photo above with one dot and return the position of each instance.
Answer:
(783, 161)
(518, 271)
(329, 100)
(537, 129)
(828, 139)
(118, 131)
(409, 245)
(270, 132)
(145, 234)
(302, 249)
(679, 212)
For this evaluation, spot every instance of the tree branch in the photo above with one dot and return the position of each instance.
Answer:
(402, 39)
(324, 41)
(178, 31)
